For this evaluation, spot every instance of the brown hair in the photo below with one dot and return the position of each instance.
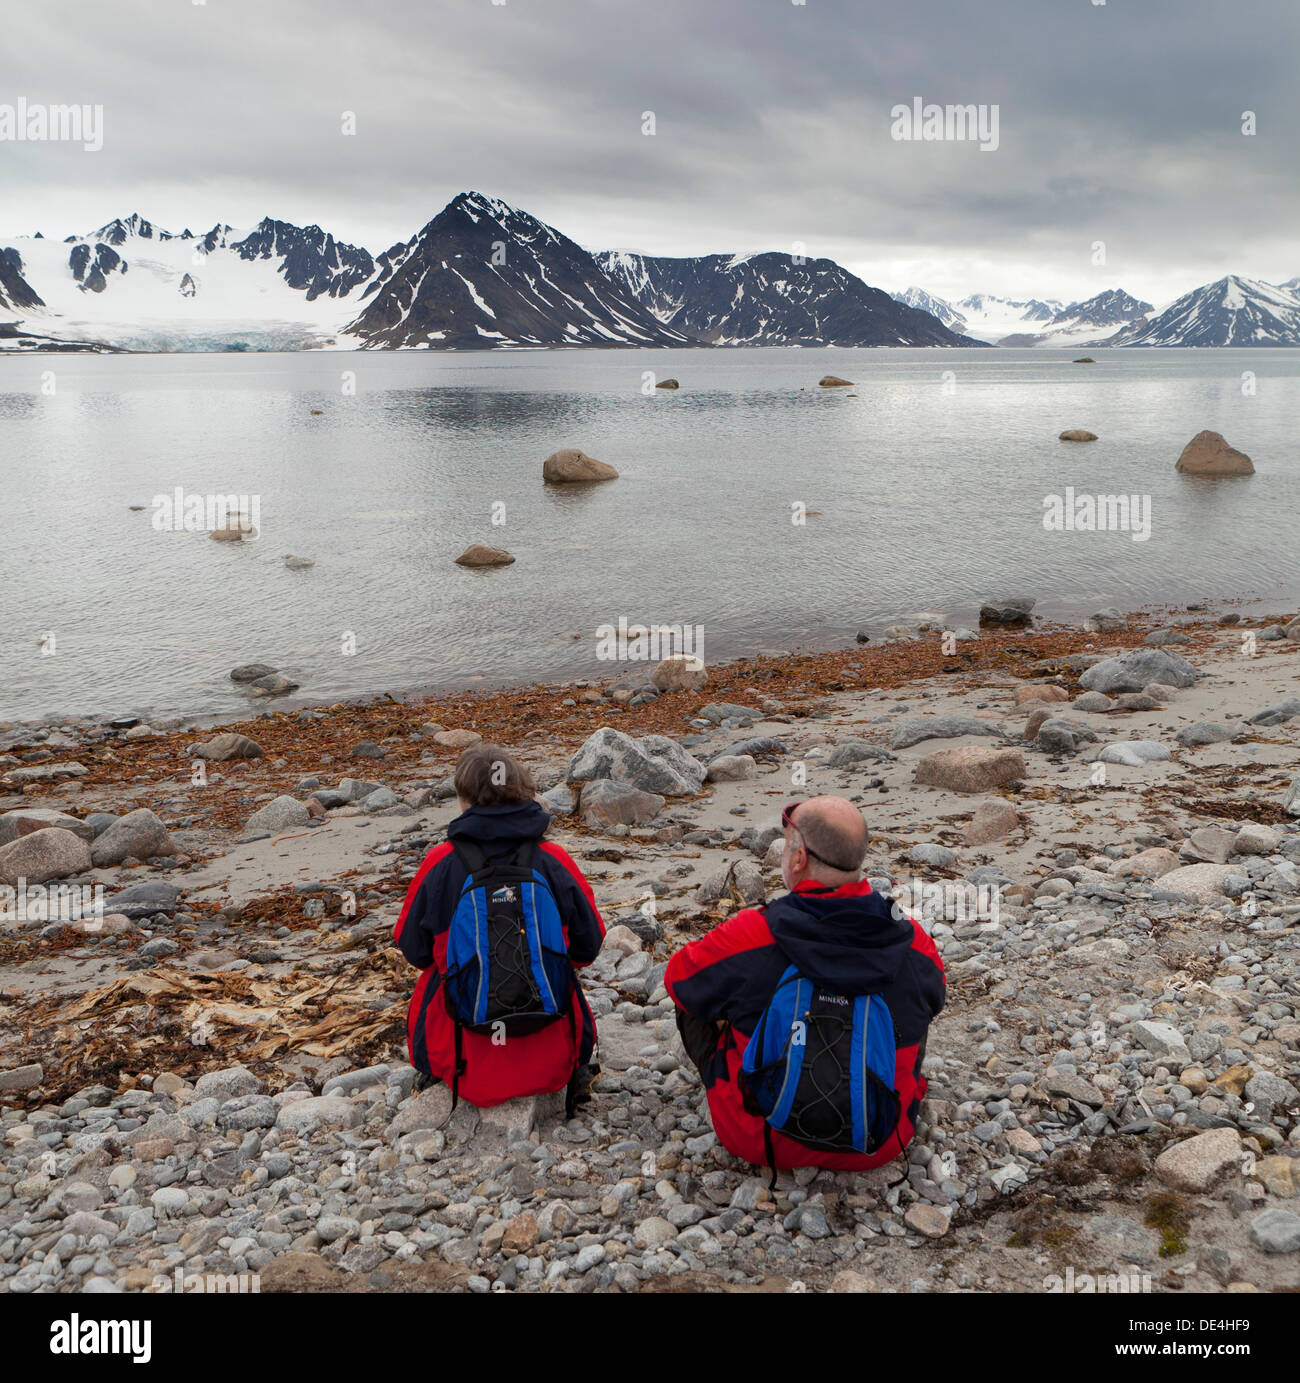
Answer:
(487, 776)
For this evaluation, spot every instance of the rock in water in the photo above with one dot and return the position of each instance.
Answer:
(1013, 610)
(250, 672)
(834, 382)
(668, 384)
(1077, 434)
(138, 834)
(479, 555)
(573, 467)
(298, 563)
(1208, 454)
(274, 685)
(235, 530)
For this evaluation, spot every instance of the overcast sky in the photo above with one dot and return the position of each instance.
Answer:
(1118, 122)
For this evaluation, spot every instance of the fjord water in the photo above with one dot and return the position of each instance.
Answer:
(927, 479)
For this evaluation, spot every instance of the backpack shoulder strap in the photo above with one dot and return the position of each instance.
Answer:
(523, 856)
(470, 855)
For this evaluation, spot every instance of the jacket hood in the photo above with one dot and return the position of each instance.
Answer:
(509, 824)
(848, 940)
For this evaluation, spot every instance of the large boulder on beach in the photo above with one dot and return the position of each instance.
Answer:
(970, 768)
(49, 854)
(1136, 669)
(653, 764)
(1204, 882)
(573, 467)
(1010, 610)
(138, 835)
(680, 672)
(607, 803)
(480, 555)
(280, 814)
(25, 820)
(222, 747)
(1209, 454)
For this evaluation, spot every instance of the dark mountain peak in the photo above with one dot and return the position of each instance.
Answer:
(311, 259)
(773, 298)
(483, 273)
(119, 231)
(16, 294)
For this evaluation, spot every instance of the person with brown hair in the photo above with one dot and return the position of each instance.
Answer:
(499, 920)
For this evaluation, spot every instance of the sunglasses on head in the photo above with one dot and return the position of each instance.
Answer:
(788, 823)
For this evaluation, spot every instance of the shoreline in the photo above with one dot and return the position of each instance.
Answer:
(1141, 619)
(1128, 994)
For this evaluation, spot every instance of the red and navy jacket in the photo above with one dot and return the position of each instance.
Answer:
(847, 939)
(534, 1064)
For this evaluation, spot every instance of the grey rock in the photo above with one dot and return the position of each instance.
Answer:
(44, 855)
(146, 899)
(281, 814)
(226, 1084)
(910, 732)
(1279, 714)
(138, 834)
(1202, 733)
(250, 672)
(1134, 670)
(1276, 1231)
(1133, 753)
(1008, 610)
(654, 764)
(246, 1112)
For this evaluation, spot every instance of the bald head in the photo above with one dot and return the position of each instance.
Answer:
(827, 842)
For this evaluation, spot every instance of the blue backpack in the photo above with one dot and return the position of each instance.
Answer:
(507, 966)
(819, 1069)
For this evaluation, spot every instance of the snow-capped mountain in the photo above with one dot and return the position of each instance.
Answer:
(1233, 311)
(132, 284)
(1081, 321)
(936, 307)
(991, 318)
(772, 299)
(16, 294)
(482, 273)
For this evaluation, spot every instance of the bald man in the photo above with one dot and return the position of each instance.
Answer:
(843, 937)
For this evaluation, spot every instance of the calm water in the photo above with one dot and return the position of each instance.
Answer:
(930, 496)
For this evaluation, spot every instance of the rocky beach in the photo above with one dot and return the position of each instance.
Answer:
(1100, 825)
